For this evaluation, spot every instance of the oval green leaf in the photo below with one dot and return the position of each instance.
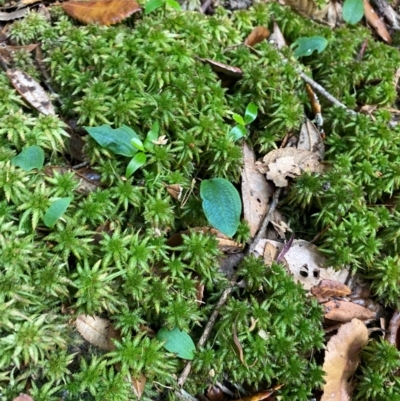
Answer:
(178, 342)
(307, 45)
(152, 5)
(55, 211)
(353, 11)
(137, 143)
(221, 205)
(137, 161)
(237, 132)
(30, 158)
(117, 140)
(251, 113)
(238, 119)
(152, 136)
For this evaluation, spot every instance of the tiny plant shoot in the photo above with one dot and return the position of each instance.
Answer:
(153, 5)
(240, 130)
(124, 141)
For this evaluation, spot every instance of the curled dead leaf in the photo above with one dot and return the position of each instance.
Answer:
(373, 20)
(175, 190)
(393, 336)
(138, 385)
(222, 68)
(310, 139)
(97, 331)
(102, 12)
(257, 35)
(281, 164)
(31, 91)
(345, 311)
(341, 360)
(277, 37)
(23, 397)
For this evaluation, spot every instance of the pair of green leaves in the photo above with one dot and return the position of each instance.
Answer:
(125, 142)
(240, 130)
(153, 5)
(31, 158)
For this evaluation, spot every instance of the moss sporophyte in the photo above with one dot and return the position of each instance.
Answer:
(108, 254)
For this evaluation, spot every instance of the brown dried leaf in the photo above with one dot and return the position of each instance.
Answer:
(97, 331)
(23, 397)
(373, 20)
(341, 360)
(344, 311)
(138, 385)
(28, 2)
(222, 68)
(334, 15)
(306, 8)
(277, 37)
(261, 395)
(258, 34)
(214, 393)
(393, 336)
(256, 191)
(102, 12)
(175, 190)
(288, 162)
(31, 91)
(330, 288)
(13, 15)
(310, 139)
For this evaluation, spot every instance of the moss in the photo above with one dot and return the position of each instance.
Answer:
(119, 75)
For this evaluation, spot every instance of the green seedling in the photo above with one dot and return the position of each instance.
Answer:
(153, 5)
(240, 130)
(124, 141)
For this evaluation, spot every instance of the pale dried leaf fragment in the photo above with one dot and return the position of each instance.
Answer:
(175, 190)
(373, 20)
(138, 385)
(97, 331)
(330, 288)
(281, 164)
(23, 397)
(306, 8)
(31, 91)
(393, 333)
(277, 37)
(24, 3)
(310, 139)
(341, 360)
(257, 35)
(13, 15)
(335, 15)
(162, 140)
(256, 191)
(226, 69)
(344, 311)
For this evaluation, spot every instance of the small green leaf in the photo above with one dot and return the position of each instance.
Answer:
(174, 4)
(55, 211)
(353, 11)
(30, 158)
(251, 113)
(137, 143)
(152, 136)
(153, 5)
(137, 161)
(178, 342)
(238, 119)
(237, 132)
(307, 45)
(221, 205)
(117, 140)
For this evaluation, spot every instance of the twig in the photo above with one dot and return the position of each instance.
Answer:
(267, 219)
(208, 328)
(322, 91)
(204, 7)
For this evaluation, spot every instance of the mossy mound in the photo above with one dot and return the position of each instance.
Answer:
(145, 73)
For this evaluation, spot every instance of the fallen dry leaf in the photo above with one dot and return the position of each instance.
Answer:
(373, 20)
(256, 191)
(310, 139)
(303, 260)
(341, 360)
(277, 37)
(334, 15)
(393, 335)
(261, 395)
(138, 385)
(344, 311)
(97, 331)
(31, 91)
(102, 12)
(280, 164)
(330, 288)
(175, 190)
(7, 52)
(237, 343)
(23, 397)
(161, 140)
(306, 8)
(13, 15)
(258, 34)
(222, 68)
